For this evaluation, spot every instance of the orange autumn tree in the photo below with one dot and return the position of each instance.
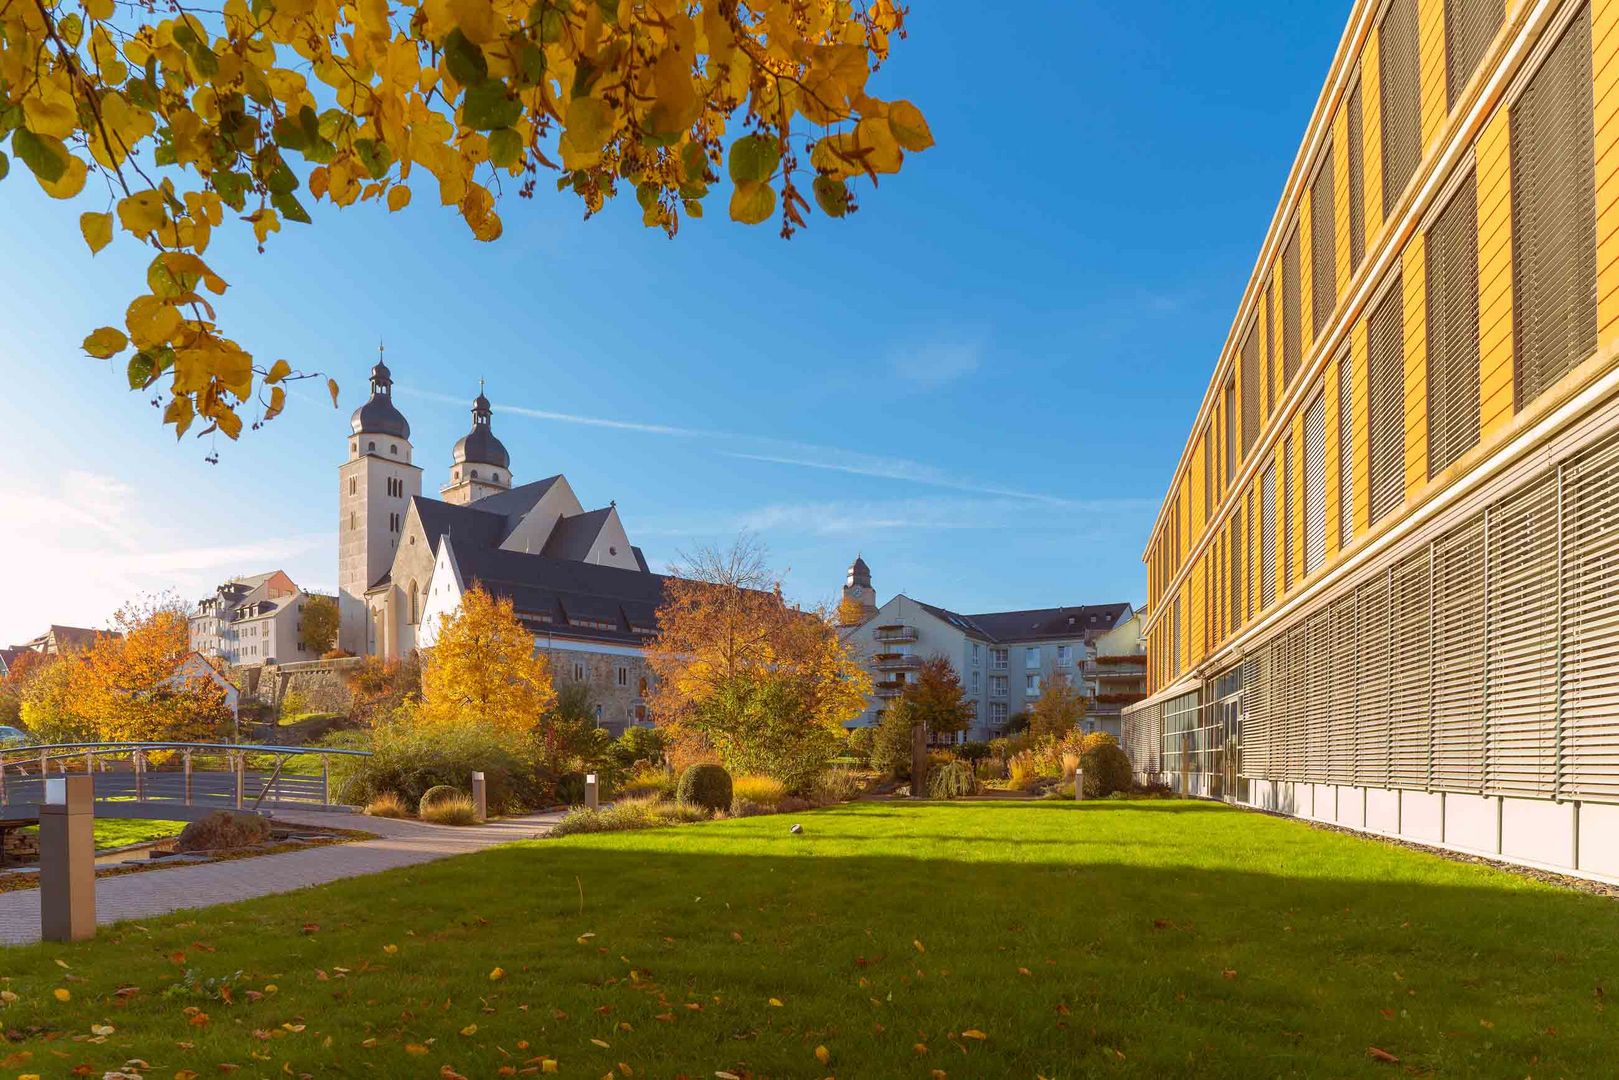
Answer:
(125, 687)
(765, 686)
(482, 670)
(242, 115)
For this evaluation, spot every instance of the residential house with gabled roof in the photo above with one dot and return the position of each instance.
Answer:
(1004, 658)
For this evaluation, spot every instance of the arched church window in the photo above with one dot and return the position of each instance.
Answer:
(371, 445)
(415, 605)
(393, 448)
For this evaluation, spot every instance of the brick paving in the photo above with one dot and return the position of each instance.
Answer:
(157, 892)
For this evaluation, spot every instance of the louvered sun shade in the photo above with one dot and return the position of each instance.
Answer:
(1248, 556)
(1286, 465)
(1458, 659)
(1410, 647)
(1267, 537)
(1315, 484)
(1554, 217)
(1470, 26)
(1346, 449)
(1323, 246)
(1357, 179)
(1250, 388)
(1386, 402)
(1521, 618)
(1235, 572)
(1373, 633)
(1589, 758)
(1292, 329)
(1453, 345)
(1401, 97)
(1344, 659)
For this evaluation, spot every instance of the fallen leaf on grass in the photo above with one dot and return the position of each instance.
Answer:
(498, 974)
(601, 1044)
(390, 949)
(1378, 1054)
(62, 993)
(974, 1033)
(823, 1055)
(775, 1003)
(470, 1030)
(1228, 974)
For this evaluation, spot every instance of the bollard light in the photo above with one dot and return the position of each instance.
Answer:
(592, 792)
(67, 859)
(480, 797)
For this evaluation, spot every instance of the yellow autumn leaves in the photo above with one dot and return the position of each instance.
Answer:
(251, 112)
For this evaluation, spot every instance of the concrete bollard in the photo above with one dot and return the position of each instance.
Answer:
(67, 860)
(1079, 785)
(480, 797)
(592, 791)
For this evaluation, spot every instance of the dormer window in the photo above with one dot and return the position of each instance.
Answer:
(393, 448)
(372, 445)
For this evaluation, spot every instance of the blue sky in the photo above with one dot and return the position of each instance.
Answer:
(980, 381)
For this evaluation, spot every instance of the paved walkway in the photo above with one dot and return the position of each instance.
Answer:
(156, 892)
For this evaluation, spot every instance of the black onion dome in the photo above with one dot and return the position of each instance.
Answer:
(860, 573)
(378, 416)
(479, 446)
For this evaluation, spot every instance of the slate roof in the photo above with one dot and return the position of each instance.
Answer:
(574, 536)
(555, 596)
(1036, 624)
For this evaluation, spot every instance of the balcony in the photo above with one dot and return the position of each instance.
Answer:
(890, 688)
(897, 662)
(896, 632)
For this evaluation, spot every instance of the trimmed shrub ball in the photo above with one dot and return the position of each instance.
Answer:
(437, 795)
(222, 830)
(708, 786)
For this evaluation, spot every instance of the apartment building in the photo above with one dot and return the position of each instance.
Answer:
(1003, 658)
(252, 620)
(1382, 580)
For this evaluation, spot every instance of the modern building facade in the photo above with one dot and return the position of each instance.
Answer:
(250, 620)
(1003, 658)
(1382, 583)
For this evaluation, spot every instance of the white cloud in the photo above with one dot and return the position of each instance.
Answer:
(76, 550)
(859, 517)
(930, 366)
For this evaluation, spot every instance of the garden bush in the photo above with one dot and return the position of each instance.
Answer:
(643, 813)
(452, 809)
(407, 760)
(763, 790)
(708, 786)
(838, 785)
(571, 788)
(952, 780)
(222, 830)
(1023, 772)
(387, 804)
(1106, 765)
(435, 795)
(647, 780)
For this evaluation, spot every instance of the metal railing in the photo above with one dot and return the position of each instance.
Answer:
(181, 773)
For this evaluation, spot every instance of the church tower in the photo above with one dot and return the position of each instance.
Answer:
(480, 465)
(859, 598)
(375, 486)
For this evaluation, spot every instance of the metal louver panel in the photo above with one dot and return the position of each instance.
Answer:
(1453, 348)
(1323, 246)
(1357, 180)
(1249, 358)
(1267, 537)
(1458, 659)
(1236, 587)
(1386, 402)
(1554, 217)
(1409, 690)
(1248, 558)
(1316, 707)
(1208, 473)
(1470, 26)
(1588, 766)
(1272, 391)
(1230, 435)
(1286, 465)
(1372, 706)
(1521, 626)
(1399, 75)
(1175, 643)
(1291, 306)
(1315, 484)
(1346, 449)
(1344, 659)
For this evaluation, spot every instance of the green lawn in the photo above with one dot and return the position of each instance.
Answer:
(1131, 939)
(117, 832)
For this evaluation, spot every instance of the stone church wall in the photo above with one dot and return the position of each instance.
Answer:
(619, 703)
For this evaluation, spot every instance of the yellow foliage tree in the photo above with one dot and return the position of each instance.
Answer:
(725, 634)
(482, 670)
(126, 687)
(200, 119)
(1058, 710)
